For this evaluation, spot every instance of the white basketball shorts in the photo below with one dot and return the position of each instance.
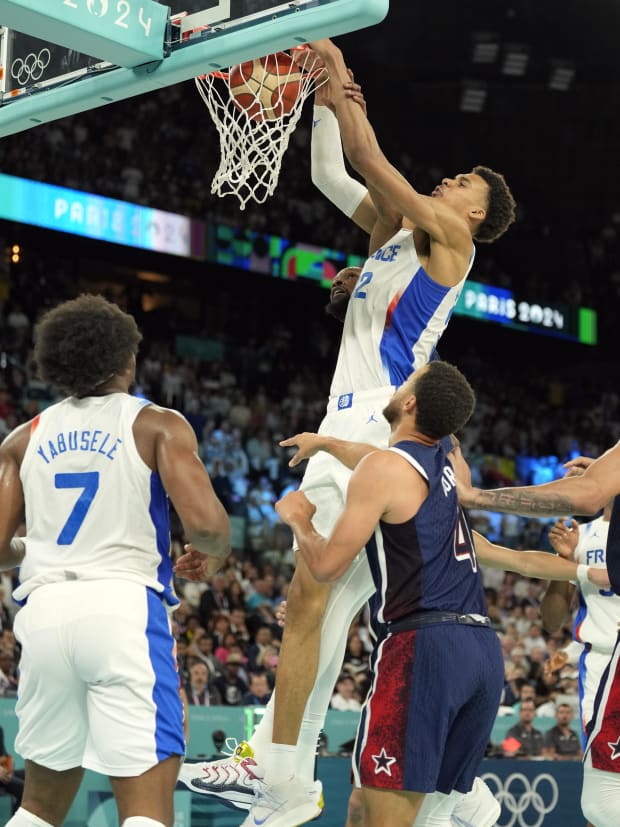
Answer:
(98, 686)
(356, 417)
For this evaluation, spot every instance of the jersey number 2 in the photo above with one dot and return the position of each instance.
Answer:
(89, 483)
(365, 278)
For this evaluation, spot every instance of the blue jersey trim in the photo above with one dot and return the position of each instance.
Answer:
(169, 736)
(160, 515)
(406, 322)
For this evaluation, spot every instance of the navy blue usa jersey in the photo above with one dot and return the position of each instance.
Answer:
(427, 563)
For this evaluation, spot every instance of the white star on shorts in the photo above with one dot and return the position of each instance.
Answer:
(383, 762)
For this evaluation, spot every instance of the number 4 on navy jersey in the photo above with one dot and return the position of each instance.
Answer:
(464, 543)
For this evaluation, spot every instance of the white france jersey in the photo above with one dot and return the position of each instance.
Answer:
(395, 317)
(94, 510)
(598, 616)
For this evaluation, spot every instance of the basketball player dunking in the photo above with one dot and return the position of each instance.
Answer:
(421, 253)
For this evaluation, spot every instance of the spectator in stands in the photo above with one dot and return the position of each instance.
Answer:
(561, 743)
(11, 780)
(229, 643)
(534, 638)
(8, 672)
(355, 656)
(345, 697)
(523, 740)
(215, 599)
(259, 692)
(238, 625)
(236, 596)
(202, 649)
(229, 685)
(199, 689)
(263, 645)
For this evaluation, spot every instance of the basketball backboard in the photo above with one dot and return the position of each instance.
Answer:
(59, 57)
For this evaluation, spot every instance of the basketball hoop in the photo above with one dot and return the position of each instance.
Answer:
(256, 107)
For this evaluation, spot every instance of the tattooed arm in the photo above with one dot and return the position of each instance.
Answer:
(585, 494)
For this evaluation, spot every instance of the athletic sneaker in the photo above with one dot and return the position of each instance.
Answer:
(232, 779)
(287, 804)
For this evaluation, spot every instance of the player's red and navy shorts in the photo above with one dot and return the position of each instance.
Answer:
(427, 721)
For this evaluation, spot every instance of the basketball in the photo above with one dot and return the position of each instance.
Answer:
(266, 88)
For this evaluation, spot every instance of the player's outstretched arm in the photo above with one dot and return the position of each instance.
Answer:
(365, 155)
(308, 444)
(327, 165)
(368, 496)
(540, 564)
(187, 482)
(585, 494)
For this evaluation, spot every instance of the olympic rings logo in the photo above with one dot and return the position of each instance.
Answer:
(30, 68)
(526, 802)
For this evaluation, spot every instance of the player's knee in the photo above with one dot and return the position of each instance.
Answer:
(601, 806)
(355, 809)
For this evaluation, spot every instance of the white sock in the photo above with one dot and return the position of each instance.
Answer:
(281, 764)
(141, 821)
(262, 735)
(311, 727)
(437, 809)
(22, 818)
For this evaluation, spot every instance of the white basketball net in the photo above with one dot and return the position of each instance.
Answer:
(251, 146)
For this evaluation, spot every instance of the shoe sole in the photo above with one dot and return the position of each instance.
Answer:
(239, 799)
(304, 818)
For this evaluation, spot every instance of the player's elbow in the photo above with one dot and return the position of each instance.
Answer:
(363, 158)
(326, 572)
(210, 533)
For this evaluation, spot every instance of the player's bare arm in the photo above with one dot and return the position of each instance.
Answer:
(444, 226)
(382, 487)
(168, 444)
(538, 564)
(555, 606)
(12, 549)
(308, 444)
(584, 494)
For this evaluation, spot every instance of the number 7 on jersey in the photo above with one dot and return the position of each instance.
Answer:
(88, 481)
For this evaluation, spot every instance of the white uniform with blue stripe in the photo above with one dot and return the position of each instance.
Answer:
(394, 320)
(98, 677)
(598, 617)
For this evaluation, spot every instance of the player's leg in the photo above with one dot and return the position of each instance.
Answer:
(397, 808)
(437, 810)
(51, 711)
(47, 797)
(355, 809)
(284, 799)
(135, 712)
(475, 655)
(477, 808)
(149, 795)
(600, 796)
(306, 601)
(347, 597)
